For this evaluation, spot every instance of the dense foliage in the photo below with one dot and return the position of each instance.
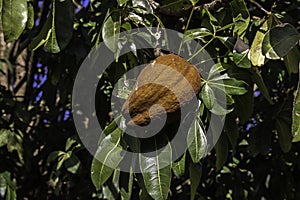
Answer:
(254, 45)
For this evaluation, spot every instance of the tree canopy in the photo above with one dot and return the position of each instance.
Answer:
(253, 63)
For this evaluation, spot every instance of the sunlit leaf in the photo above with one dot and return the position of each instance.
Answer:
(207, 96)
(241, 17)
(157, 179)
(109, 153)
(296, 115)
(30, 20)
(179, 166)
(14, 18)
(198, 33)
(72, 164)
(51, 43)
(197, 141)
(242, 60)
(43, 35)
(142, 6)
(110, 33)
(279, 41)
(256, 56)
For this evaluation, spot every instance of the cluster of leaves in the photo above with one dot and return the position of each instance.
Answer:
(256, 54)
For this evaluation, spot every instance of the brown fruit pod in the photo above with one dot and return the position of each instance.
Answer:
(170, 82)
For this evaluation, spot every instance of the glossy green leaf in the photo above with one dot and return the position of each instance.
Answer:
(157, 179)
(292, 60)
(241, 17)
(242, 60)
(221, 148)
(110, 33)
(14, 18)
(197, 141)
(296, 115)
(143, 192)
(179, 166)
(109, 152)
(30, 20)
(207, 96)
(142, 6)
(280, 40)
(284, 134)
(195, 177)
(256, 56)
(64, 19)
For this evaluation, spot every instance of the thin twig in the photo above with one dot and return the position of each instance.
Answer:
(260, 7)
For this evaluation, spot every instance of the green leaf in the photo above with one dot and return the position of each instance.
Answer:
(256, 56)
(197, 141)
(195, 177)
(241, 17)
(51, 43)
(54, 155)
(142, 6)
(43, 35)
(284, 137)
(241, 59)
(279, 41)
(232, 86)
(197, 33)
(110, 33)
(72, 164)
(14, 18)
(179, 166)
(30, 20)
(194, 2)
(157, 179)
(296, 115)
(221, 151)
(64, 19)
(109, 152)
(207, 96)
(122, 2)
(292, 60)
